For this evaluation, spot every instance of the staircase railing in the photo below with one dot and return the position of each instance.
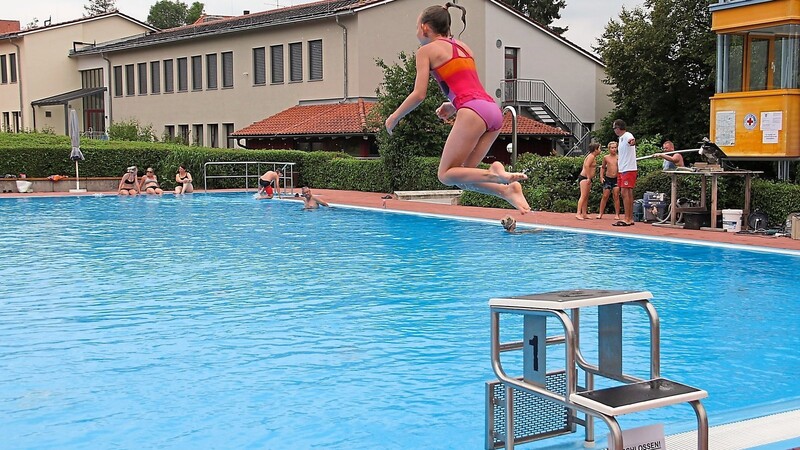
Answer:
(537, 92)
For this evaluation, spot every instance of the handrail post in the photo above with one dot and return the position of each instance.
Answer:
(513, 134)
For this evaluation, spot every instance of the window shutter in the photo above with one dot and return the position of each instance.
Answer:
(227, 69)
(315, 59)
(197, 73)
(276, 52)
(211, 70)
(296, 61)
(169, 76)
(155, 77)
(259, 66)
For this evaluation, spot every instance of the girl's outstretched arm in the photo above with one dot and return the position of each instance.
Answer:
(417, 95)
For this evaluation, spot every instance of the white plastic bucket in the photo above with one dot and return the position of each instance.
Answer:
(732, 220)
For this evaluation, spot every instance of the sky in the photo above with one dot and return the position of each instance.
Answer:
(586, 19)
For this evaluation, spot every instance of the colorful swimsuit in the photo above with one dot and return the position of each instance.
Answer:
(458, 79)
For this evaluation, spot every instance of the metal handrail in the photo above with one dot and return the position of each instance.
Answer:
(513, 134)
(538, 91)
(287, 169)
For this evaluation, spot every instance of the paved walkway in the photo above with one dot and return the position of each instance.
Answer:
(567, 220)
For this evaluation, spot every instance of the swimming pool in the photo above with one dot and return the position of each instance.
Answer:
(219, 321)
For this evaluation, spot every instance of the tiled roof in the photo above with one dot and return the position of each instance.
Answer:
(74, 21)
(324, 119)
(351, 118)
(292, 14)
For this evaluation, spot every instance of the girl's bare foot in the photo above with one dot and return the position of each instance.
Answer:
(579, 217)
(599, 216)
(617, 217)
(505, 177)
(513, 194)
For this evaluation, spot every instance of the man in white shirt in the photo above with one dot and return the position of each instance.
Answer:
(627, 170)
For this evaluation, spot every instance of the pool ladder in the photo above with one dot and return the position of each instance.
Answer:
(542, 404)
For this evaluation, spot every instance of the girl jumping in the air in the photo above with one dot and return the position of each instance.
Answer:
(478, 118)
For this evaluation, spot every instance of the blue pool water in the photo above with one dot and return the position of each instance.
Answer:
(219, 321)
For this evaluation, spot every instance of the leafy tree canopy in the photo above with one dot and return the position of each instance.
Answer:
(660, 59)
(95, 7)
(194, 12)
(543, 12)
(420, 133)
(170, 14)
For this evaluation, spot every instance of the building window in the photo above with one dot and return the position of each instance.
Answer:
(142, 69)
(511, 63)
(6, 122)
(213, 135)
(183, 77)
(184, 134)
(3, 70)
(315, 60)
(197, 73)
(228, 132)
(276, 56)
(130, 81)
(211, 71)
(16, 123)
(169, 76)
(92, 78)
(259, 66)
(296, 62)
(197, 137)
(155, 77)
(227, 70)
(12, 64)
(117, 81)
(169, 133)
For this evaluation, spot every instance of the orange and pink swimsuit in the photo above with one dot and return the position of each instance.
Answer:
(458, 79)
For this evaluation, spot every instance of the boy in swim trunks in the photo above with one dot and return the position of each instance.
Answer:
(608, 175)
(269, 183)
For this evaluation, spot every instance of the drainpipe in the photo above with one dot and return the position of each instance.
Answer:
(344, 53)
(108, 91)
(19, 82)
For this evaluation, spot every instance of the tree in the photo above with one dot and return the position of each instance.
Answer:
(168, 14)
(95, 7)
(660, 60)
(194, 12)
(420, 133)
(543, 12)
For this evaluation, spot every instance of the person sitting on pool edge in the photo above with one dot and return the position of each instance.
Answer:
(184, 181)
(269, 183)
(128, 185)
(510, 225)
(149, 183)
(311, 201)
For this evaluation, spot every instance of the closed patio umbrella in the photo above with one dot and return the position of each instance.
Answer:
(76, 154)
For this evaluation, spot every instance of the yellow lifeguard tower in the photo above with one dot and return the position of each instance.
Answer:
(755, 113)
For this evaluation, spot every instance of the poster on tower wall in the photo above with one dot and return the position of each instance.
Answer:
(725, 128)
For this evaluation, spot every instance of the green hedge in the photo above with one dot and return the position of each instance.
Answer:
(552, 183)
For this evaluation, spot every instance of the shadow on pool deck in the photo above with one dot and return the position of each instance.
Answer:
(374, 200)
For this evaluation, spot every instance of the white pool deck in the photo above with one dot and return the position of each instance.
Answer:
(744, 434)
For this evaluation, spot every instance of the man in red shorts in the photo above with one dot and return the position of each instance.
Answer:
(626, 180)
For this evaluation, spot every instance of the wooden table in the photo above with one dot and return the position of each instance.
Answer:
(714, 175)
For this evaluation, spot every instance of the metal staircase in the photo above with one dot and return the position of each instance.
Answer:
(542, 102)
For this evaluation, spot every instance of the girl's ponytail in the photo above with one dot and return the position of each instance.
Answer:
(463, 15)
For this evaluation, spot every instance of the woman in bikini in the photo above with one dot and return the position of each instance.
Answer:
(478, 118)
(149, 183)
(128, 184)
(184, 180)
